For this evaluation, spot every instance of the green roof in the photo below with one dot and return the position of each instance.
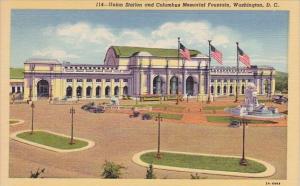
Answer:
(127, 51)
(16, 73)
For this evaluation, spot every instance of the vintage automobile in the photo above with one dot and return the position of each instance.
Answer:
(279, 99)
(234, 124)
(91, 107)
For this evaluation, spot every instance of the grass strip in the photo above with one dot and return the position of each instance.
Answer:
(52, 140)
(228, 119)
(203, 162)
(166, 115)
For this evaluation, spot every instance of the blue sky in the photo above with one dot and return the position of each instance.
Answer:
(83, 36)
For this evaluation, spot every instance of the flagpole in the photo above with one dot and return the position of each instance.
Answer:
(208, 77)
(237, 72)
(178, 51)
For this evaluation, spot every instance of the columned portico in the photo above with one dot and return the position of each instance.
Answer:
(140, 73)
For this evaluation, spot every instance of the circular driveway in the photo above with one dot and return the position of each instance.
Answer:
(118, 138)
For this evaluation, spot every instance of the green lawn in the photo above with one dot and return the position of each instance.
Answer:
(218, 107)
(13, 121)
(158, 105)
(51, 140)
(166, 116)
(228, 119)
(203, 162)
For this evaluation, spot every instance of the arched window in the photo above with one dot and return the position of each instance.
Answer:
(69, 91)
(174, 85)
(79, 92)
(89, 92)
(190, 86)
(212, 89)
(231, 89)
(157, 85)
(107, 91)
(125, 91)
(243, 89)
(116, 91)
(43, 88)
(98, 91)
(218, 90)
(225, 89)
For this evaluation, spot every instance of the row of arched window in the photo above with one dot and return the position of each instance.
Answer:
(88, 91)
(231, 90)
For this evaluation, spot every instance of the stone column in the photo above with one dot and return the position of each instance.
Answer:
(141, 91)
(215, 87)
(258, 86)
(74, 88)
(102, 93)
(167, 82)
(228, 88)
(121, 87)
(234, 86)
(112, 87)
(84, 88)
(93, 88)
(273, 84)
(263, 87)
(151, 82)
(26, 89)
(184, 83)
(64, 88)
(222, 87)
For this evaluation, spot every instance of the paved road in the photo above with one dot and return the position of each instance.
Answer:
(118, 138)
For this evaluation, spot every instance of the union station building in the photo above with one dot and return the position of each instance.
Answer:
(137, 71)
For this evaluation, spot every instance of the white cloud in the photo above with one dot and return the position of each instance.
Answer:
(82, 32)
(54, 53)
(193, 34)
(91, 41)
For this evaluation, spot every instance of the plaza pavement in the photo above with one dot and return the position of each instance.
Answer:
(117, 138)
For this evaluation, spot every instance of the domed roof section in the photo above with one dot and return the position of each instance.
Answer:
(129, 51)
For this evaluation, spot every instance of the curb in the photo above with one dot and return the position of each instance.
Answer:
(14, 137)
(270, 170)
(18, 123)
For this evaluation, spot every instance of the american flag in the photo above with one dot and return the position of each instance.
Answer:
(244, 58)
(184, 52)
(217, 55)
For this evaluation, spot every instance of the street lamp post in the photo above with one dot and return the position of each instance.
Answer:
(243, 161)
(72, 112)
(32, 116)
(159, 119)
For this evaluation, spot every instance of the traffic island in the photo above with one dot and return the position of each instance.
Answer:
(228, 119)
(52, 141)
(204, 163)
(13, 122)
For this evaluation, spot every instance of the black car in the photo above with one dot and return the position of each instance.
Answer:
(280, 99)
(234, 124)
(96, 109)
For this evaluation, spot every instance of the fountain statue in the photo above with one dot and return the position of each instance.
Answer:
(251, 107)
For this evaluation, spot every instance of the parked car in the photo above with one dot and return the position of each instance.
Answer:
(234, 124)
(146, 117)
(279, 99)
(134, 114)
(96, 109)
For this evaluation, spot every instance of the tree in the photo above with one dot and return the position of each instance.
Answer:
(37, 173)
(150, 173)
(111, 170)
(196, 176)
